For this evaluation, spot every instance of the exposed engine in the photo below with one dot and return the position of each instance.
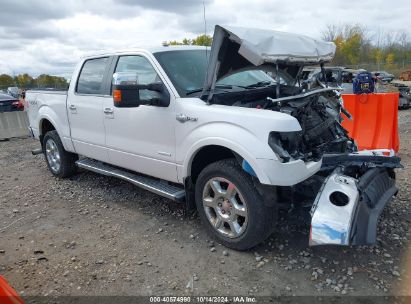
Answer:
(320, 120)
(317, 111)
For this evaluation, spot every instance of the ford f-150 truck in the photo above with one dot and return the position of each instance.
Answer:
(229, 131)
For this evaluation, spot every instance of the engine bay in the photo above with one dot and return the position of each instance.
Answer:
(319, 113)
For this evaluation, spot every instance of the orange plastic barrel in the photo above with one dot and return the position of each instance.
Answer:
(7, 294)
(375, 120)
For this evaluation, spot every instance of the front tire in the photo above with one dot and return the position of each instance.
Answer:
(60, 162)
(230, 207)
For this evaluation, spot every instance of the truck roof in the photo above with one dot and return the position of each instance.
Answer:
(149, 49)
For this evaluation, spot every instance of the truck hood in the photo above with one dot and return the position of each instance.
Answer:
(237, 48)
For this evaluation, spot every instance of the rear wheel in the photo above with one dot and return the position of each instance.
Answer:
(230, 206)
(60, 162)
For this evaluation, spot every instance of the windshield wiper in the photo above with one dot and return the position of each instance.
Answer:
(260, 84)
(231, 86)
(217, 87)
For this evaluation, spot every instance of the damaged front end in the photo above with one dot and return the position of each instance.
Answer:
(351, 199)
(352, 188)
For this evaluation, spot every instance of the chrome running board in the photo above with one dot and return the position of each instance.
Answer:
(154, 185)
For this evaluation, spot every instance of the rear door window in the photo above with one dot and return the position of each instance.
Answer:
(91, 76)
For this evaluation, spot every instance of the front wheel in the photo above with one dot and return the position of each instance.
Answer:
(60, 162)
(230, 206)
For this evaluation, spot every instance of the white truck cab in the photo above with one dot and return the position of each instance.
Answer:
(227, 129)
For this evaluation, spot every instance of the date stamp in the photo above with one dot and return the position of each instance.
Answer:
(203, 299)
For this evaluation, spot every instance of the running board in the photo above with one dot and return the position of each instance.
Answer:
(157, 186)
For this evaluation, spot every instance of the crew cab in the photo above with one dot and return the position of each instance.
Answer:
(227, 130)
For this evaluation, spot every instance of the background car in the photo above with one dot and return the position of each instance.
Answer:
(404, 101)
(13, 91)
(9, 103)
(383, 76)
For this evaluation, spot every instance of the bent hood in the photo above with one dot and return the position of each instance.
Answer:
(237, 48)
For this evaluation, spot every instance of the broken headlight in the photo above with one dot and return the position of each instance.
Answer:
(286, 145)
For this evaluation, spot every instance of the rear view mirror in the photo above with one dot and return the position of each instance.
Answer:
(126, 92)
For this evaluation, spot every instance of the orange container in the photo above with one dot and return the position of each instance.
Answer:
(7, 294)
(375, 120)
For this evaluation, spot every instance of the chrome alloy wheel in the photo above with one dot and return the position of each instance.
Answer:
(53, 155)
(225, 207)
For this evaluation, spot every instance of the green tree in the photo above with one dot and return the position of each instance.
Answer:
(351, 48)
(389, 60)
(173, 42)
(187, 41)
(205, 40)
(378, 56)
(6, 81)
(24, 81)
(47, 81)
(202, 40)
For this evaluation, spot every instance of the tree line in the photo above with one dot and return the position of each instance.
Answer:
(357, 47)
(204, 40)
(25, 81)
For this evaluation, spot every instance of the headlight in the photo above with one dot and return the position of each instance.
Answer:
(286, 145)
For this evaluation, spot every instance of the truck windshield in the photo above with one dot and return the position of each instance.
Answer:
(187, 70)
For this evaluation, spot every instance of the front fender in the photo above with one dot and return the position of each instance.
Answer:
(264, 162)
(242, 130)
(218, 141)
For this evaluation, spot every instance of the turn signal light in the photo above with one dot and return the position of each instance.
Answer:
(117, 96)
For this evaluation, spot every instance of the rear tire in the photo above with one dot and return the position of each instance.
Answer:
(60, 162)
(230, 207)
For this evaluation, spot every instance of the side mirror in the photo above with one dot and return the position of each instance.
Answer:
(127, 92)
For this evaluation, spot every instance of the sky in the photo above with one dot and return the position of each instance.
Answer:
(50, 36)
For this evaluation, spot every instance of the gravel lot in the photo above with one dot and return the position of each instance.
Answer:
(94, 235)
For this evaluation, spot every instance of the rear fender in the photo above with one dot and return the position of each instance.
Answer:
(45, 114)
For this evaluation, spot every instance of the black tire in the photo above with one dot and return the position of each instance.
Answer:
(260, 218)
(68, 160)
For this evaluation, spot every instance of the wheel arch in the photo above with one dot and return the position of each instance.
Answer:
(45, 125)
(210, 152)
(48, 121)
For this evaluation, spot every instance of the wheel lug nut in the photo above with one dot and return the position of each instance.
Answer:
(223, 211)
(219, 204)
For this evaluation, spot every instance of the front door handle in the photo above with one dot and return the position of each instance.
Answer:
(184, 118)
(73, 109)
(108, 111)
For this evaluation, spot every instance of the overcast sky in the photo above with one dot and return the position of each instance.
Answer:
(49, 36)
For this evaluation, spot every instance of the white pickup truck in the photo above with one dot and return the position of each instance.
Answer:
(229, 130)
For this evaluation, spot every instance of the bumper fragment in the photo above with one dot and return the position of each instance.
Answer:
(346, 209)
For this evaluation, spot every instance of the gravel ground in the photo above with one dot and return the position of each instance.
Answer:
(94, 235)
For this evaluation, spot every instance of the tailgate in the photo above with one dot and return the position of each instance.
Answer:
(32, 109)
